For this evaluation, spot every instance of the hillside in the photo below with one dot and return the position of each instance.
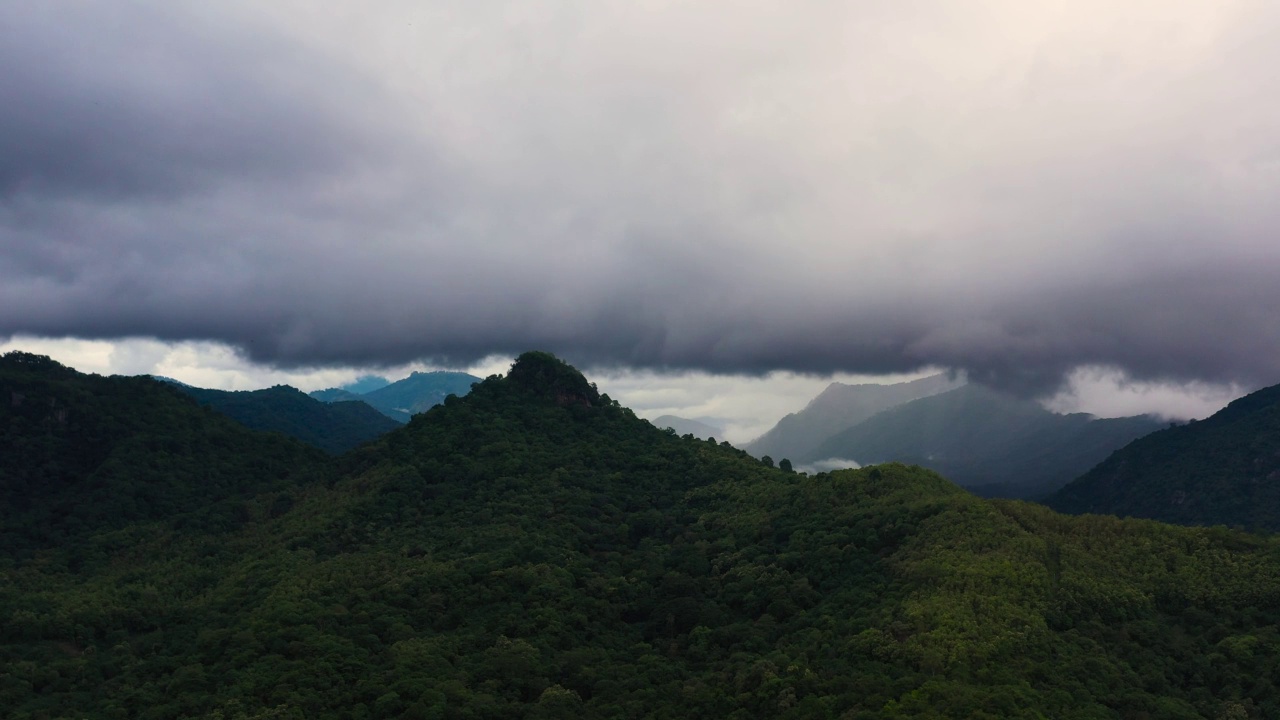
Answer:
(83, 454)
(1224, 470)
(991, 442)
(535, 550)
(406, 397)
(838, 408)
(334, 427)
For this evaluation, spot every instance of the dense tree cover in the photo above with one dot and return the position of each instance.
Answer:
(404, 398)
(993, 443)
(334, 427)
(534, 550)
(1224, 470)
(81, 454)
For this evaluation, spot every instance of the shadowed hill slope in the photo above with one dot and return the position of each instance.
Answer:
(334, 427)
(1221, 470)
(838, 408)
(994, 443)
(81, 454)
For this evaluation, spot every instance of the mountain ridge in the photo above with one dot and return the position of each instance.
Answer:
(408, 396)
(836, 408)
(985, 440)
(1224, 469)
(334, 427)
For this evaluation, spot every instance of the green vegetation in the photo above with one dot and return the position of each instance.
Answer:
(334, 427)
(534, 550)
(992, 443)
(82, 454)
(1224, 470)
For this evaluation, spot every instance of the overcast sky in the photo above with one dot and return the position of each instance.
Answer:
(1026, 192)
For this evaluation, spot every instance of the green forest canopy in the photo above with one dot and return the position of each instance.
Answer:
(535, 550)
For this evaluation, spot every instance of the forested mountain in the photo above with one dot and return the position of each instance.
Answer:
(84, 454)
(334, 427)
(991, 442)
(534, 550)
(404, 398)
(1224, 470)
(685, 426)
(838, 408)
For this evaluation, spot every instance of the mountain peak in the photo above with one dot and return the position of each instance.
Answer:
(545, 374)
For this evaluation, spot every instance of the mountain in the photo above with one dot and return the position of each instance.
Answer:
(334, 395)
(1224, 470)
(83, 454)
(685, 426)
(838, 408)
(334, 427)
(535, 550)
(993, 443)
(366, 384)
(404, 398)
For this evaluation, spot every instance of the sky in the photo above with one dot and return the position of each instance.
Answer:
(718, 210)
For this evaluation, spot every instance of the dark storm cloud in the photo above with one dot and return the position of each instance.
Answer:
(108, 101)
(796, 187)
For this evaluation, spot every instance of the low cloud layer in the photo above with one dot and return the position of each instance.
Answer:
(827, 465)
(1002, 188)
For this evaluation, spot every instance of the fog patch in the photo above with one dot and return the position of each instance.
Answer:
(827, 465)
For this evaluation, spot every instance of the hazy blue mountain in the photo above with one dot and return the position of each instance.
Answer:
(366, 384)
(685, 426)
(837, 408)
(1224, 470)
(332, 395)
(333, 427)
(988, 441)
(419, 392)
(405, 398)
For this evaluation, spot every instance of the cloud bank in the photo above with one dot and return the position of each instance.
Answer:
(1010, 189)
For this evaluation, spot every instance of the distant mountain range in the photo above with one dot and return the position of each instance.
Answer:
(333, 427)
(536, 550)
(838, 408)
(84, 454)
(685, 426)
(1224, 470)
(990, 442)
(403, 399)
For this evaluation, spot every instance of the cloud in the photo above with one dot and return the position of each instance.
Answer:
(1011, 189)
(1106, 392)
(827, 465)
